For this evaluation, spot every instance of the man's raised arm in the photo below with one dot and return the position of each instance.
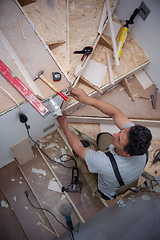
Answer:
(118, 117)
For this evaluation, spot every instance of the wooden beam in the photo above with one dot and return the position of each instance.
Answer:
(110, 69)
(127, 88)
(108, 120)
(91, 84)
(112, 33)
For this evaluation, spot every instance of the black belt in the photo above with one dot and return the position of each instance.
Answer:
(103, 195)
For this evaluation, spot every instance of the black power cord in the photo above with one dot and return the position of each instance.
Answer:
(44, 209)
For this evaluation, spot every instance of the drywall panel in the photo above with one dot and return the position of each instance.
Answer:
(146, 33)
(13, 131)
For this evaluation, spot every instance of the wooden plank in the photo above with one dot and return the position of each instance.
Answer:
(94, 72)
(22, 151)
(13, 230)
(112, 33)
(20, 66)
(14, 186)
(110, 69)
(35, 171)
(143, 78)
(91, 84)
(127, 88)
(116, 27)
(102, 18)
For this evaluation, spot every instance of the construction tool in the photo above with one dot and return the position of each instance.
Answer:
(124, 32)
(75, 185)
(23, 90)
(154, 98)
(156, 156)
(39, 75)
(86, 51)
(66, 210)
(56, 76)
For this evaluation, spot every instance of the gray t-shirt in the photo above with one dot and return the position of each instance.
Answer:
(130, 168)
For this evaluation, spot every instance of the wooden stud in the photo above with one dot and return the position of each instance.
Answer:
(110, 69)
(126, 86)
(91, 84)
(112, 33)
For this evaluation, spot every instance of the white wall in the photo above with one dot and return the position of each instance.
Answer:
(12, 130)
(146, 33)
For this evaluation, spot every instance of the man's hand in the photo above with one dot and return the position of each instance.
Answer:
(63, 121)
(80, 95)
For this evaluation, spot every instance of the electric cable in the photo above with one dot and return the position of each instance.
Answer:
(71, 158)
(44, 209)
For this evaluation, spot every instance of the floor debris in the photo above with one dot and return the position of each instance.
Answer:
(39, 171)
(4, 204)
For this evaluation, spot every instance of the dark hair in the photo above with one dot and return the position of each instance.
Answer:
(139, 140)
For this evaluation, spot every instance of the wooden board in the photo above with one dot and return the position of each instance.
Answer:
(31, 52)
(36, 171)
(140, 109)
(22, 151)
(13, 184)
(13, 230)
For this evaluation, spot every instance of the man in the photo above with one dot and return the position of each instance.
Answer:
(128, 147)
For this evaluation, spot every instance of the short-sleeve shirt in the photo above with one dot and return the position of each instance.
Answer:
(130, 168)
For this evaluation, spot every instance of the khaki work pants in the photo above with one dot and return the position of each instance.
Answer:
(103, 142)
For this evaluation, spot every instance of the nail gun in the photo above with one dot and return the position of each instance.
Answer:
(75, 185)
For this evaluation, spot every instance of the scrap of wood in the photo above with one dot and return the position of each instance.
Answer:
(39, 223)
(40, 217)
(22, 151)
(102, 18)
(94, 72)
(91, 84)
(126, 86)
(103, 42)
(21, 29)
(116, 27)
(110, 69)
(20, 66)
(143, 78)
(112, 33)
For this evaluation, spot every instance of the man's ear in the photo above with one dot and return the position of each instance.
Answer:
(126, 154)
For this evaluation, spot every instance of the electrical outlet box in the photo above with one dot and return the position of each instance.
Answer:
(143, 11)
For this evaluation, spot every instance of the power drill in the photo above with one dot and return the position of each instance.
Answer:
(75, 185)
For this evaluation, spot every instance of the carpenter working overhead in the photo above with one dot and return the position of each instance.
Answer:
(128, 147)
